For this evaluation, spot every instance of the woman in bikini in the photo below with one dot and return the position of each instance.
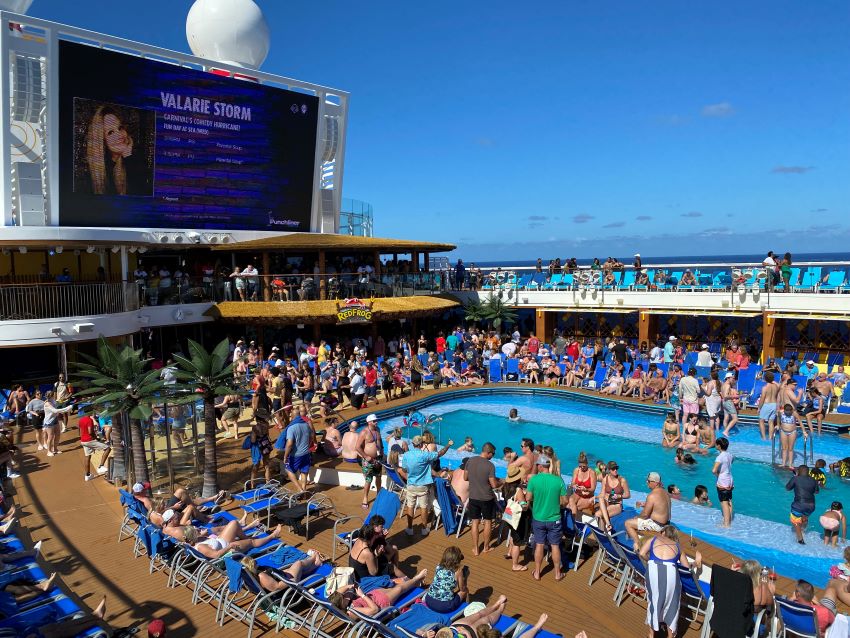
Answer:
(352, 597)
(789, 419)
(615, 488)
(231, 538)
(670, 436)
(690, 434)
(584, 487)
(729, 394)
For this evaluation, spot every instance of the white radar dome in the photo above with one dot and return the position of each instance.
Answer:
(230, 31)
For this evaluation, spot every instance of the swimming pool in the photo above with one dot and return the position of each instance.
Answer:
(760, 530)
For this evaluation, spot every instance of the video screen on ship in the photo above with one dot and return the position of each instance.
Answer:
(154, 145)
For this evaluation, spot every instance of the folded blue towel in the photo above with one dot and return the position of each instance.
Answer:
(417, 617)
(283, 556)
(618, 522)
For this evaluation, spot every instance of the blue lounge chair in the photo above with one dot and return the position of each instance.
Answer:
(523, 281)
(695, 593)
(799, 621)
(628, 280)
(553, 282)
(512, 368)
(609, 563)
(599, 375)
(386, 504)
(811, 279)
(635, 575)
(835, 281)
(495, 369)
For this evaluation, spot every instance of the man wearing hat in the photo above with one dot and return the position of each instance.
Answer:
(809, 370)
(417, 463)
(704, 357)
(547, 494)
(655, 513)
(669, 349)
(141, 492)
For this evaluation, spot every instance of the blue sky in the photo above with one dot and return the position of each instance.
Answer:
(571, 128)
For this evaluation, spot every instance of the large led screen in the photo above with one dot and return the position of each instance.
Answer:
(147, 144)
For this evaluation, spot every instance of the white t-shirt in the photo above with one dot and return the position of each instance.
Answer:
(724, 476)
(769, 261)
(656, 355)
(704, 359)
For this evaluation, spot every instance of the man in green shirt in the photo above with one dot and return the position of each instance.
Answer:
(548, 495)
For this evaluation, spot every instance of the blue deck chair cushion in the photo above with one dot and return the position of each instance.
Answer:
(419, 616)
(448, 502)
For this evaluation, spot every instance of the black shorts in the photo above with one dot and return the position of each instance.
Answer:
(357, 400)
(485, 510)
(724, 494)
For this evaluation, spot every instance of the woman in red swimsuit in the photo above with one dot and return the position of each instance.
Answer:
(584, 486)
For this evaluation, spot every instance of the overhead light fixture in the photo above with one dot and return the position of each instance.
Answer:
(56, 330)
(116, 249)
(143, 249)
(22, 250)
(178, 239)
(80, 328)
(90, 249)
(59, 250)
(211, 239)
(620, 301)
(225, 239)
(194, 237)
(163, 239)
(132, 249)
(77, 252)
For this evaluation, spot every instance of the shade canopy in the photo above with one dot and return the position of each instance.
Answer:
(330, 242)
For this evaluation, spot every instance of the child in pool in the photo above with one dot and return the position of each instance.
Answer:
(513, 415)
(831, 520)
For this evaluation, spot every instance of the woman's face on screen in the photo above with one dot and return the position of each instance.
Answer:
(114, 134)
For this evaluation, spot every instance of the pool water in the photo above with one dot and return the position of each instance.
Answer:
(761, 529)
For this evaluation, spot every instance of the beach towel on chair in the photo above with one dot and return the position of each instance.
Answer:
(447, 506)
(371, 583)
(618, 522)
(234, 574)
(419, 616)
(281, 557)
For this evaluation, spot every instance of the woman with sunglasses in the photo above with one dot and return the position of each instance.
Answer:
(615, 488)
(584, 487)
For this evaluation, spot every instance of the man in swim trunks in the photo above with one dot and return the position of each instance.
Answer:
(655, 513)
(767, 404)
(526, 460)
(805, 488)
(370, 449)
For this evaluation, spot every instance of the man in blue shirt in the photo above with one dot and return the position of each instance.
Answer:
(419, 493)
(296, 455)
(809, 369)
(669, 349)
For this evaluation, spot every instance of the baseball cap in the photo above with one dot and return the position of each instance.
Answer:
(141, 487)
(543, 460)
(167, 515)
(156, 628)
(672, 338)
(371, 418)
(705, 346)
(729, 375)
(417, 441)
(810, 362)
(637, 254)
(655, 477)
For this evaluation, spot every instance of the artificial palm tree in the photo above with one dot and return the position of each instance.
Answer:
(498, 312)
(209, 375)
(117, 381)
(473, 311)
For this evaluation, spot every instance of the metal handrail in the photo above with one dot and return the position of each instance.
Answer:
(48, 301)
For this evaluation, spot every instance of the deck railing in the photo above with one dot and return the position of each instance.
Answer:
(21, 302)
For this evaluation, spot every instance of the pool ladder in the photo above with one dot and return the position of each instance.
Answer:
(808, 449)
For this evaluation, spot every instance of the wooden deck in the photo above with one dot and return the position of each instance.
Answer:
(79, 523)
